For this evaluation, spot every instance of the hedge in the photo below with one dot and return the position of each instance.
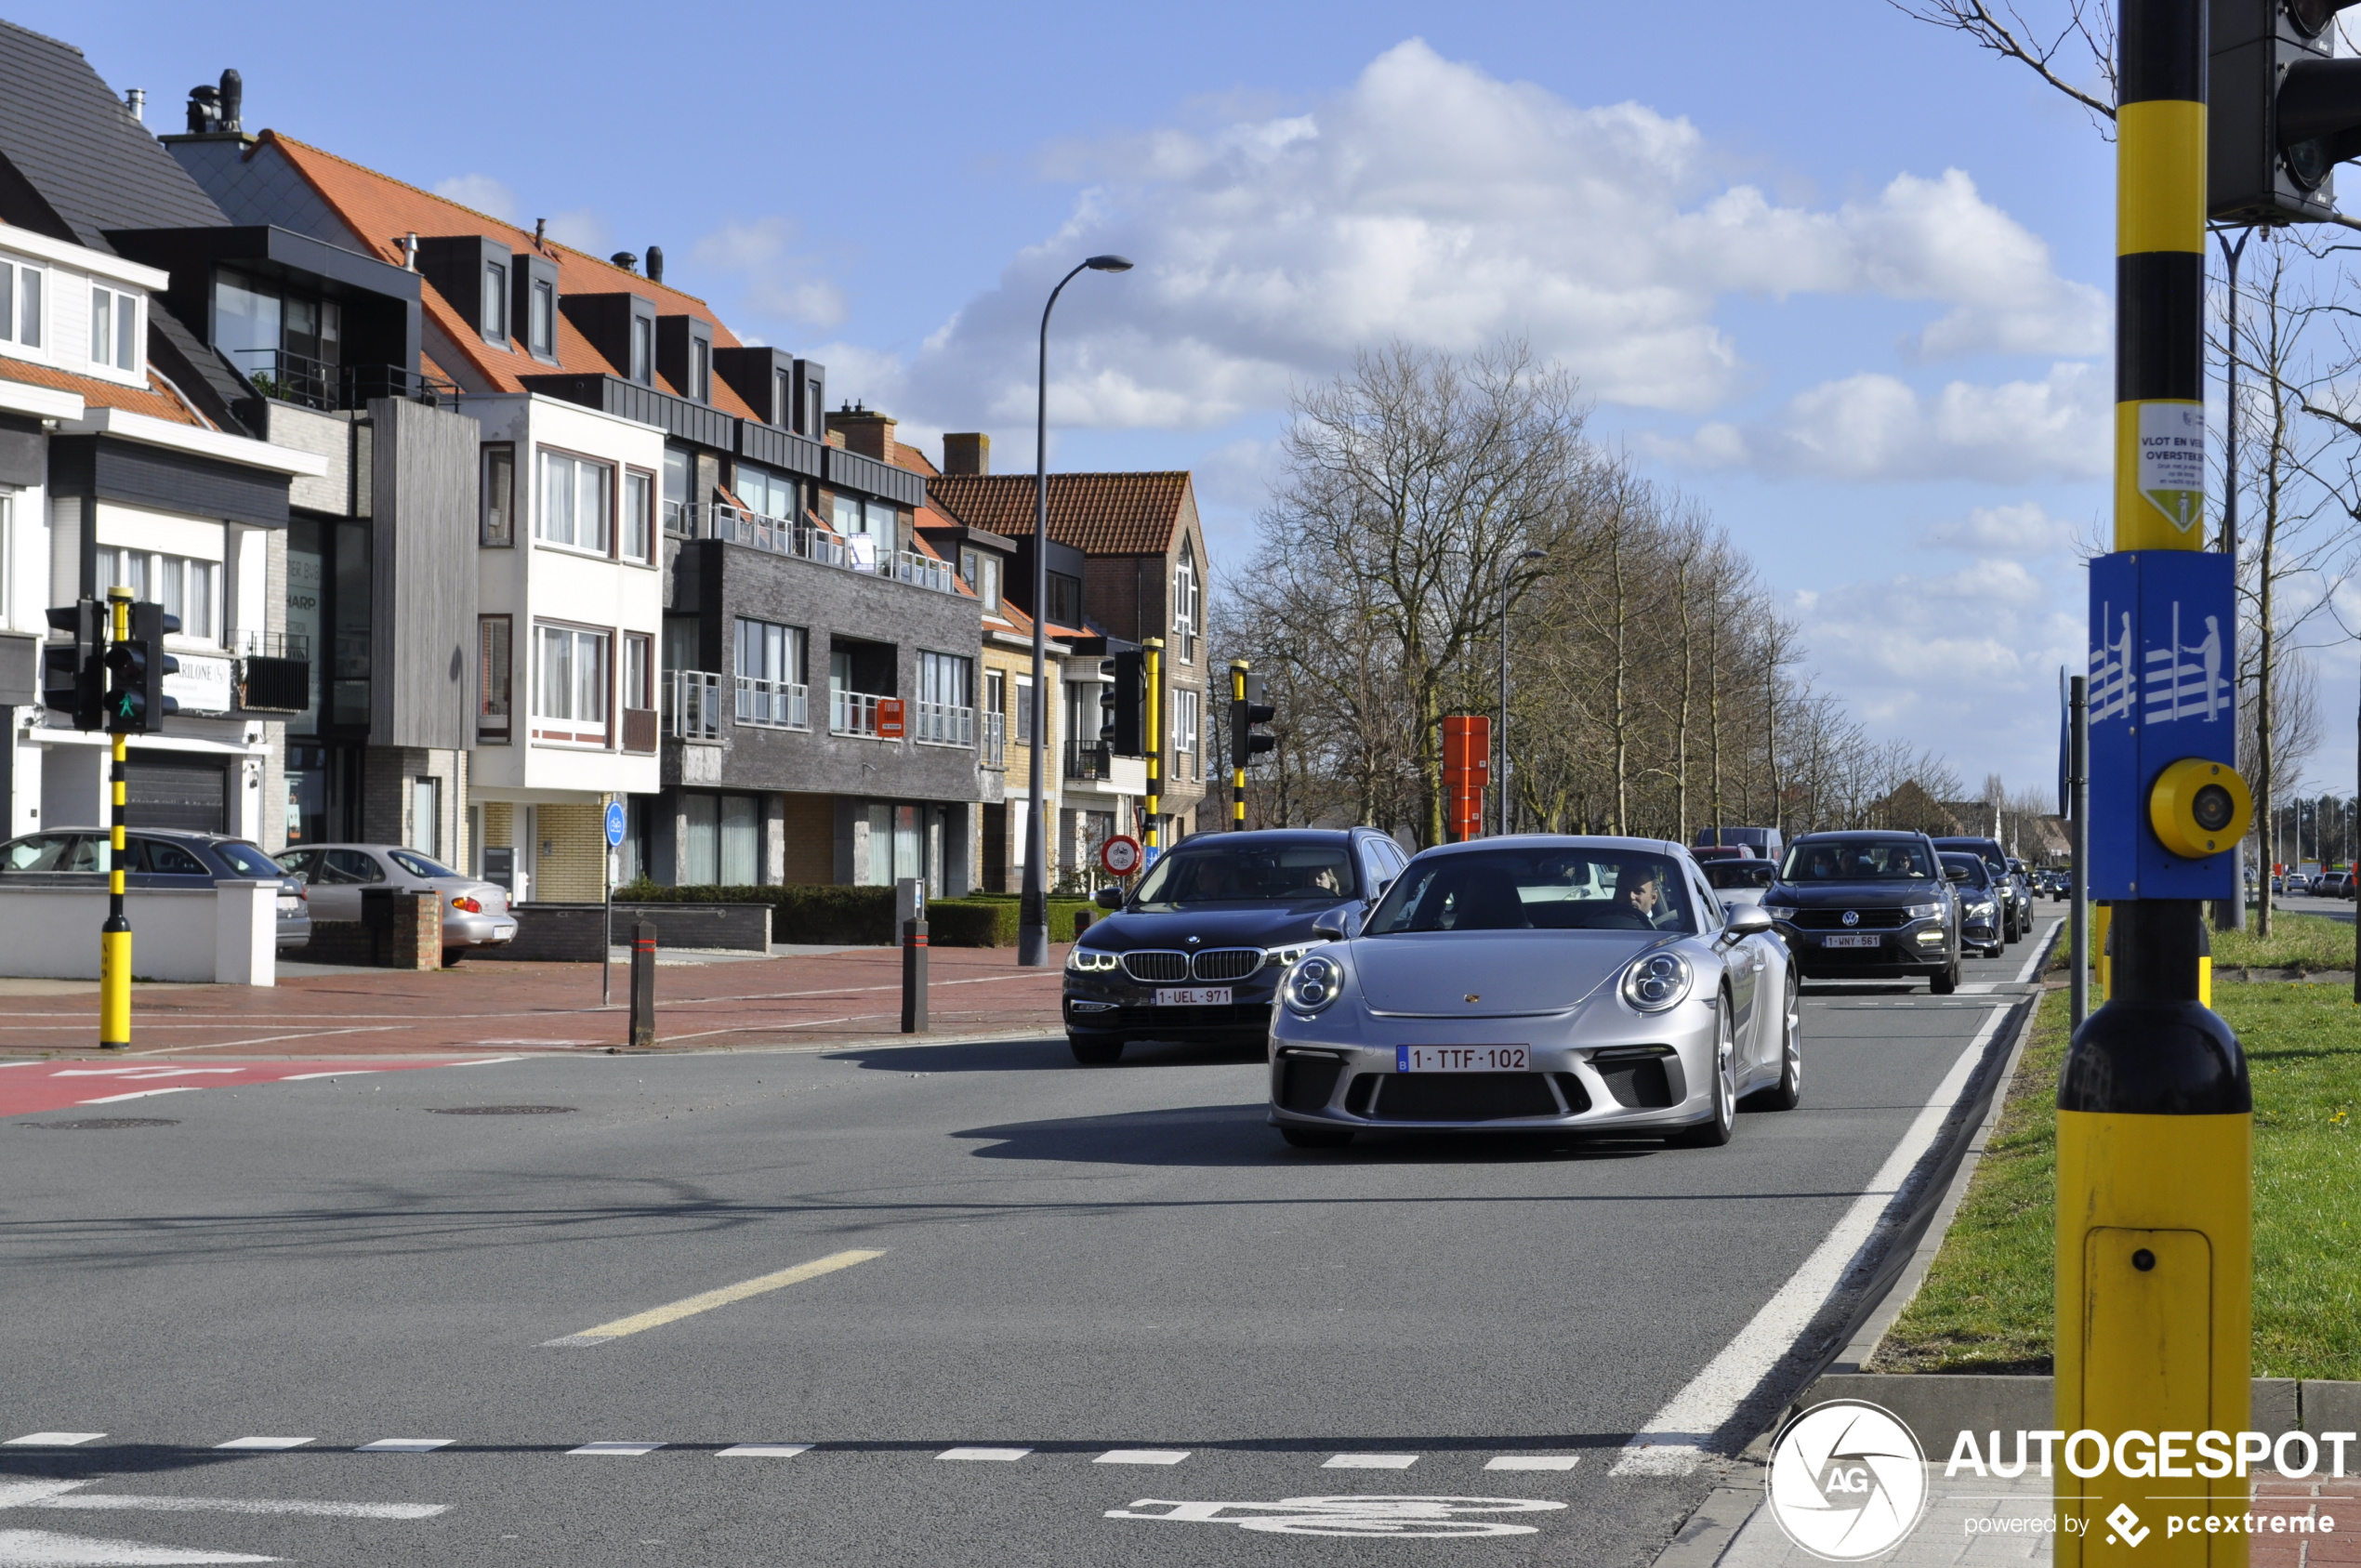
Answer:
(817, 914)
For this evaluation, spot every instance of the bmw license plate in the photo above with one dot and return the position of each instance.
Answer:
(1462, 1058)
(1848, 939)
(1192, 997)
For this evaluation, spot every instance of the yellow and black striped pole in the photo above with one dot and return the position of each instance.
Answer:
(2155, 1117)
(114, 937)
(1237, 760)
(1151, 717)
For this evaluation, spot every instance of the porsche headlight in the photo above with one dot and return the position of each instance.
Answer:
(1315, 981)
(1923, 911)
(1092, 961)
(1657, 981)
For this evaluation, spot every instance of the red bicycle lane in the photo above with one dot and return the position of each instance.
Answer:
(28, 1088)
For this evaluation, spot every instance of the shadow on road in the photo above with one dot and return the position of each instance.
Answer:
(1041, 1056)
(1240, 1135)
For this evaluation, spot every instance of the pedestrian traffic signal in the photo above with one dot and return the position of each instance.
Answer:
(1247, 710)
(72, 679)
(1123, 728)
(2282, 111)
(136, 669)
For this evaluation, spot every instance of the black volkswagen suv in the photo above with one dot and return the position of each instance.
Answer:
(1195, 952)
(1868, 905)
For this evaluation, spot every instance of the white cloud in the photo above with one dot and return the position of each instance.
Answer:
(481, 192)
(2021, 530)
(581, 227)
(1431, 203)
(780, 282)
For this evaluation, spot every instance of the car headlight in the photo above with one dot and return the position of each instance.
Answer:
(1315, 981)
(1657, 981)
(1779, 911)
(1923, 911)
(1092, 961)
(1280, 958)
(1982, 908)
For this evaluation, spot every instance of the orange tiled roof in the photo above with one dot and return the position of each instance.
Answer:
(381, 210)
(1098, 514)
(918, 462)
(154, 400)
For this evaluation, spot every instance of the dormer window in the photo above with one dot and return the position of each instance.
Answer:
(701, 369)
(494, 320)
(20, 301)
(114, 329)
(644, 350)
(782, 399)
(541, 328)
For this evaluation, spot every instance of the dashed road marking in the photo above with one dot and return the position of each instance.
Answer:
(264, 1442)
(1533, 1462)
(984, 1453)
(764, 1450)
(616, 1448)
(656, 1317)
(405, 1445)
(1370, 1461)
(52, 1440)
(1141, 1456)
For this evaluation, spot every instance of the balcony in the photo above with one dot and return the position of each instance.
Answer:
(806, 541)
(1088, 760)
(331, 387)
(995, 740)
(774, 705)
(943, 724)
(852, 713)
(693, 706)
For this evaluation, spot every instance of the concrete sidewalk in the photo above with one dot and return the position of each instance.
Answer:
(852, 996)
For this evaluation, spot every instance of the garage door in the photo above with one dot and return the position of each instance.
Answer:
(167, 790)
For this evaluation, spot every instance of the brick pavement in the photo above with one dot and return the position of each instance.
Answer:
(850, 996)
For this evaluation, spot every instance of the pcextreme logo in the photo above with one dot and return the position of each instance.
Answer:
(1847, 1481)
(2127, 1525)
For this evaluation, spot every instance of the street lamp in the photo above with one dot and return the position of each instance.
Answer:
(1033, 907)
(1501, 815)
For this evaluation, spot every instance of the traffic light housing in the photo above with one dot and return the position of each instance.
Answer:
(1247, 710)
(2281, 112)
(72, 679)
(1123, 706)
(136, 669)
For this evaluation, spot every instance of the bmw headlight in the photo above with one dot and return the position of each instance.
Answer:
(1315, 981)
(1657, 981)
(1779, 911)
(1280, 958)
(1092, 961)
(1923, 911)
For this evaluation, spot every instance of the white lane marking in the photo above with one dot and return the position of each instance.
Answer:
(140, 1094)
(1533, 1462)
(1368, 1514)
(984, 1453)
(265, 1443)
(764, 1450)
(339, 1072)
(2040, 950)
(1369, 1462)
(1141, 1456)
(52, 1440)
(312, 1508)
(1672, 1443)
(486, 1062)
(616, 1448)
(47, 1549)
(405, 1445)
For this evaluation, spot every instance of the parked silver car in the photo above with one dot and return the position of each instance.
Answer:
(155, 857)
(474, 913)
(1537, 983)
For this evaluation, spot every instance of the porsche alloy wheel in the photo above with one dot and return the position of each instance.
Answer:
(1715, 1130)
(1788, 1092)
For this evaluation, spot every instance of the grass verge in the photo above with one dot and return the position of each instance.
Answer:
(1986, 1305)
(2298, 942)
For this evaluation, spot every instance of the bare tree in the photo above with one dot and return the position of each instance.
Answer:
(2079, 44)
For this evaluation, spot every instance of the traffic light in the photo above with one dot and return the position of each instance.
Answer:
(2282, 111)
(1123, 706)
(72, 680)
(136, 669)
(1247, 710)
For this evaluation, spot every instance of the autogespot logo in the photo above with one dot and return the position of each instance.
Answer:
(1847, 1481)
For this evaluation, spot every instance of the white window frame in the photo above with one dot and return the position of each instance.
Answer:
(1185, 605)
(581, 687)
(23, 274)
(146, 572)
(116, 347)
(1187, 714)
(550, 462)
(495, 304)
(635, 529)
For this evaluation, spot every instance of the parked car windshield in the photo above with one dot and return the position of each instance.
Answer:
(247, 860)
(1248, 873)
(1972, 865)
(417, 864)
(1557, 890)
(1858, 860)
(1737, 874)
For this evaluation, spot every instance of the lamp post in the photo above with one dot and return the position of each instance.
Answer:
(1033, 909)
(1501, 773)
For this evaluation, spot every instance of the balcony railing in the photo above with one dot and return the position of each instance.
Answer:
(693, 706)
(856, 552)
(274, 644)
(909, 566)
(329, 386)
(774, 705)
(943, 724)
(995, 740)
(852, 713)
(1088, 760)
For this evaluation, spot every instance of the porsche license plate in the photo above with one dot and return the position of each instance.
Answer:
(1192, 997)
(1462, 1058)
(1850, 939)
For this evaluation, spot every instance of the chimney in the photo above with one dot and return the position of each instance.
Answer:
(541, 234)
(968, 452)
(625, 260)
(410, 251)
(137, 99)
(865, 432)
(656, 264)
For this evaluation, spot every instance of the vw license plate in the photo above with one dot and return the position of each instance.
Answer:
(1851, 940)
(1462, 1058)
(1192, 997)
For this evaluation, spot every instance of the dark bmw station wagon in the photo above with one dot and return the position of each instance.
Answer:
(1196, 951)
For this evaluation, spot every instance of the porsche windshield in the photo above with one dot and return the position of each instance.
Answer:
(1551, 889)
(1249, 874)
(1859, 860)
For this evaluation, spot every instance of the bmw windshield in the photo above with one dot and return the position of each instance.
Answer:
(1555, 890)
(1194, 878)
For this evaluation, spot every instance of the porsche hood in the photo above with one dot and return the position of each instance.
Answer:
(1490, 974)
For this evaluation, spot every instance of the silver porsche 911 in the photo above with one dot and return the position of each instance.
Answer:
(1538, 983)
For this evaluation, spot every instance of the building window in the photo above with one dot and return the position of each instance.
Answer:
(1186, 707)
(572, 685)
(21, 294)
(639, 670)
(1066, 600)
(495, 304)
(1185, 605)
(981, 569)
(766, 494)
(542, 321)
(493, 679)
(425, 817)
(782, 395)
(677, 516)
(644, 350)
(576, 503)
(639, 514)
(499, 494)
(996, 691)
(700, 370)
(769, 651)
(1024, 709)
(114, 329)
(190, 589)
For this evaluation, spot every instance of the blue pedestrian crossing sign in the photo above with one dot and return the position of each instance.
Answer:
(615, 823)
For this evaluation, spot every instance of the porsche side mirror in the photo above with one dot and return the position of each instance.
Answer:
(1330, 927)
(1108, 898)
(1746, 919)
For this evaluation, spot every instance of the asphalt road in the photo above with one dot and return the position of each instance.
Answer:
(1068, 1263)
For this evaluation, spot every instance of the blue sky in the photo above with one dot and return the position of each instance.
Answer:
(1835, 274)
